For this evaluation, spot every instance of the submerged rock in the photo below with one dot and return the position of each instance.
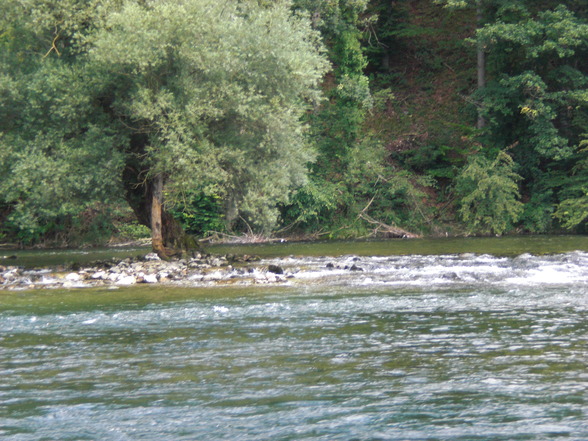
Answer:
(275, 269)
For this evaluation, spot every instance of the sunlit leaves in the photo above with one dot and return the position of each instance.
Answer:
(215, 90)
(489, 194)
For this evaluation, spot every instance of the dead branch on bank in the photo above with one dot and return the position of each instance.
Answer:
(384, 230)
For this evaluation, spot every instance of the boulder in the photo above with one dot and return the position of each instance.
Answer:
(275, 269)
(126, 280)
(73, 277)
(149, 278)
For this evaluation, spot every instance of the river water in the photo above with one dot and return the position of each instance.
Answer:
(451, 344)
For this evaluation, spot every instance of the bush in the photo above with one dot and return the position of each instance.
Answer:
(489, 194)
(200, 214)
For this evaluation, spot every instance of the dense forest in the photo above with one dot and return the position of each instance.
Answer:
(307, 118)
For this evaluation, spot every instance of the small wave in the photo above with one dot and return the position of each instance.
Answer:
(471, 269)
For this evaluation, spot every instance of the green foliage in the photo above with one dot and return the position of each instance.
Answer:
(556, 33)
(208, 94)
(313, 206)
(224, 100)
(523, 103)
(540, 92)
(400, 199)
(535, 102)
(220, 98)
(132, 230)
(200, 214)
(572, 211)
(489, 194)
(537, 215)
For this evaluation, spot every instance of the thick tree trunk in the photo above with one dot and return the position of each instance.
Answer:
(145, 197)
(156, 220)
(481, 63)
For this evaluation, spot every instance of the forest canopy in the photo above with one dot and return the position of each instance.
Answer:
(340, 118)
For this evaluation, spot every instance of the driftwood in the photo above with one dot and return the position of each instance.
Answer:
(247, 238)
(384, 230)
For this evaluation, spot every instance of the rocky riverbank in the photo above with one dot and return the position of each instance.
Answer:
(197, 271)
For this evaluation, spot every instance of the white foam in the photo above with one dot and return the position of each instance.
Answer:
(417, 270)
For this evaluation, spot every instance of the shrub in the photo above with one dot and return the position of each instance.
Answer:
(489, 194)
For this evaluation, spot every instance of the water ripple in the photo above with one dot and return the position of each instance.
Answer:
(457, 347)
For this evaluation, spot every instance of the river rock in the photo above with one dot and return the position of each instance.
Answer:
(73, 277)
(99, 275)
(12, 273)
(275, 269)
(126, 280)
(149, 278)
(47, 281)
(150, 269)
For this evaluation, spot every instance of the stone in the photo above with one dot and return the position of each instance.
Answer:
(275, 269)
(150, 278)
(73, 277)
(126, 280)
(99, 275)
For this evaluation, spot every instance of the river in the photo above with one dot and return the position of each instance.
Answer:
(397, 340)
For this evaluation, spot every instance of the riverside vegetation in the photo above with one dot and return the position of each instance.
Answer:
(345, 118)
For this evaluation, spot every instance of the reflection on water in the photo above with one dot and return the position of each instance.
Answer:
(470, 347)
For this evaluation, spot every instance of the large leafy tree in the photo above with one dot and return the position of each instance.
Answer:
(155, 99)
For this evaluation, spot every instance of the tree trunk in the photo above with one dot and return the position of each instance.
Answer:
(481, 63)
(156, 220)
(145, 197)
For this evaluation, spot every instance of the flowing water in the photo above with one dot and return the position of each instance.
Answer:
(452, 344)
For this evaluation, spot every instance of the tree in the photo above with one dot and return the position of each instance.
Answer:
(198, 95)
(537, 101)
(489, 194)
(336, 125)
(480, 8)
(533, 99)
(573, 209)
